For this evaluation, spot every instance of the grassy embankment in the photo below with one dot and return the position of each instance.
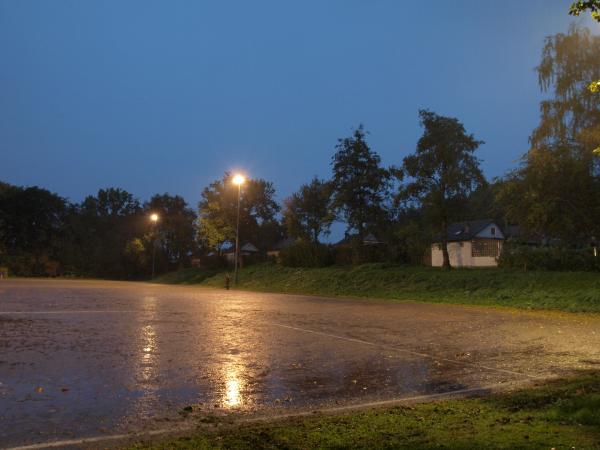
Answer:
(566, 291)
(562, 414)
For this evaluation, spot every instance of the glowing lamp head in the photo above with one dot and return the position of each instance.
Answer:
(238, 179)
(154, 218)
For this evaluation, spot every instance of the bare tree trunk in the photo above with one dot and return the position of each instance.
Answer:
(445, 254)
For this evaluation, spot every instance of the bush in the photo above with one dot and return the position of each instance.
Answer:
(214, 262)
(248, 260)
(30, 265)
(307, 254)
(548, 258)
(357, 253)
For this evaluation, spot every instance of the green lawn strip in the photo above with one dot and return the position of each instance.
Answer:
(560, 414)
(566, 291)
(186, 276)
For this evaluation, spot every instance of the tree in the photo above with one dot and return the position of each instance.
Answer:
(555, 193)
(31, 229)
(582, 6)
(307, 213)
(552, 195)
(360, 185)
(571, 116)
(443, 171)
(176, 228)
(111, 202)
(594, 7)
(218, 212)
(103, 227)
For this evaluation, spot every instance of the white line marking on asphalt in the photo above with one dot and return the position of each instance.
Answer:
(391, 402)
(409, 352)
(191, 427)
(91, 440)
(70, 311)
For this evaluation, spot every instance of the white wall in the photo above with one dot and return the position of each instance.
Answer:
(460, 256)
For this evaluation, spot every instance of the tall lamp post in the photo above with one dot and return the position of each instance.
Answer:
(237, 180)
(154, 220)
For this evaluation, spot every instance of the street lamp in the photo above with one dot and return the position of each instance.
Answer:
(237, 180)
(154, 220)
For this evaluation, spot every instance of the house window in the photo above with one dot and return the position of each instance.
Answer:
(493, 231)
(485, 248)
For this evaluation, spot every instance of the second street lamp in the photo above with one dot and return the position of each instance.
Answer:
(154, 219)
(237, 180)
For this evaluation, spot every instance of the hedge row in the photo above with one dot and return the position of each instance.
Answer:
(310, 254)
(549, 258)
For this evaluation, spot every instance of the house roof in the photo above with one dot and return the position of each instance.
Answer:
(250, 248)
(464, 231)
(247, 248)
(369, 239)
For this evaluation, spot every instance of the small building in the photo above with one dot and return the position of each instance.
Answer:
(476, 243)
(369, 239)
(246, 250)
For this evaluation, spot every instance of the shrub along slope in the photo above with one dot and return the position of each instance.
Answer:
(566, 291)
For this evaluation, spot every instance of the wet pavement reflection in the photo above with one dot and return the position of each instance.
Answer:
(84, 359)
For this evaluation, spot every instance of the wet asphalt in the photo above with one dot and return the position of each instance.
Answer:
(93, 358)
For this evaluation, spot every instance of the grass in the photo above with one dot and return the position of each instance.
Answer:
(565, 291)
(186, 276)
(561, 414)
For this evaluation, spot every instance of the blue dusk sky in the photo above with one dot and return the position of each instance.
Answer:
(164, 96)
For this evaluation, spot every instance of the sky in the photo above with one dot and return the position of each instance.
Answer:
(165, 96)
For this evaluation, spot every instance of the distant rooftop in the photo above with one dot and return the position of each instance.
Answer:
(464, 231)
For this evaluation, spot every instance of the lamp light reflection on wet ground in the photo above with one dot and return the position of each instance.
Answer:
(232, 392)
(127, 357)
(233, 375)
(147, 365)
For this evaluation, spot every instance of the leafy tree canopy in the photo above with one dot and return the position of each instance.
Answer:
(537, 198)
(218, 211)
(572, 113)
(360, 185)
(176, 228)
(307, 213)
(593, 6)
(31, 219)
(443, 171)
(111, 202)
(555, 193)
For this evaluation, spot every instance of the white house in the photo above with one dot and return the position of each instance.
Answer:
(476, 243)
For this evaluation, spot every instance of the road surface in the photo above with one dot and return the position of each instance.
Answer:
(94, 358)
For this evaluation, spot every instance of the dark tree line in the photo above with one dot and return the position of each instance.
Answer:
(108, 235)
(553, 195)
(433, 186)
